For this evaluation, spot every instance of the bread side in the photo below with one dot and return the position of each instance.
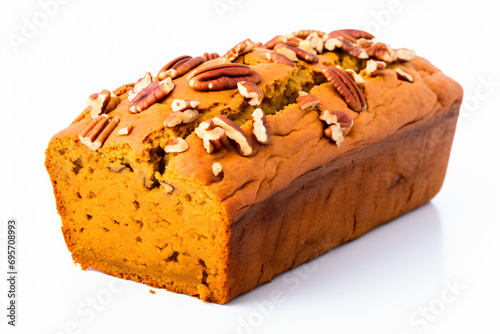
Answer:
(133, 210)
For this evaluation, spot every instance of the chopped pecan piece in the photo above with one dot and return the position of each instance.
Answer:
(125, 131)
(306, 33)
(307, 46)
(213, 136)
(180, 66)
(222, 76)
(404, 54)
(346, 87)
(293, 53)
(235, 133)
(316, 42)
(153, 93)
(140, 85)
(98, 102)
(279, 58)
(260, 127)
(181, 105)
(217, 169)
(251, 93)
(402, 75)
(275, 40)
(239, 49)
(339, 125)
(210, 56)
(347, 40)
(97, 131)
(307, 101)
(179, 117)
(177, 145)
(382, 51)
(375, 68)
(355, 76)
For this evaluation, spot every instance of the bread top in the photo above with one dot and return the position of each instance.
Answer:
(297, 141)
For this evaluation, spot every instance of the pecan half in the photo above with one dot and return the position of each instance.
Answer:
(346, 87)
(181, 105)
(351, 35)
(307, 101)
(293, 53)
(98, 102)
(382, 51)
(153, 93)
(180, 66)
(375, 68)
(97, 131)
(235, 133)
(140, 85)
(305, 33)
(125, 131)
(252, 94)
(402, 75)
(239, 49)
(404, 54)
(217, 169)
(260, 127)
(279, 59)
(347, 40)
(114, 101)
(339, 125)
(176, 145)
(275, 40)
(210, 56)
(213, 136)
(355, 76)
(179, 117)
(222, 76)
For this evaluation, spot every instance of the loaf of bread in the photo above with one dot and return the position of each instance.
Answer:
(221, 172)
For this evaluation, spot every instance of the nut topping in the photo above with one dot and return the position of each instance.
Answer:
(153, 93)
(217, 169)
(123, 89)
(402, 75)
(316, 42)
(97, 131)
(307, 46)
(181, 105)
(179, 66)
(179, 117)
(210, 56)
(346, 87)
(375, 68)
(306, 33)
(213, 137)
(293, 53)
(140, 85)
(355, 76)
(275, 40)
(177, 145)
(251, 93)
(125, 131)
(279, 59)
(404, 54)
(347, 40)
(239, 49)
(339, 125)
(260, 127)
(307, 101)
(382, 51)
(235, 133)
(222, 76)
(98, 102)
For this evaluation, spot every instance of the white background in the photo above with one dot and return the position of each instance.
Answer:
(381, 283)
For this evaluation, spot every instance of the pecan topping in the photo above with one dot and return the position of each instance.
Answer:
(351, 35)
(237, 50)
(98, 102)
(404, 54)
(364, 43)
(339, 125)
(375, 68)
(114, 101)
(307, 101)
(179, 117)
(213, 137)
(382, 51)
(346, 87)
(347, 40)
(355, 76)
(307, 46)
(125, 131)
(260, 127)
(181, 105)
(222, 76)
(279, 58)
(217, 169)
(251, 93)
(179, 66)
(177, 145)
(97, 131)
(275, 40)
(154, 92)
(402, 75)
(140, 85)
(293, 53)
(316, 41)
(235, 133)
(210, 56)
(307, 32)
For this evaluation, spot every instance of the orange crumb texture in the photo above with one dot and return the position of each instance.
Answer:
(217, 225)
